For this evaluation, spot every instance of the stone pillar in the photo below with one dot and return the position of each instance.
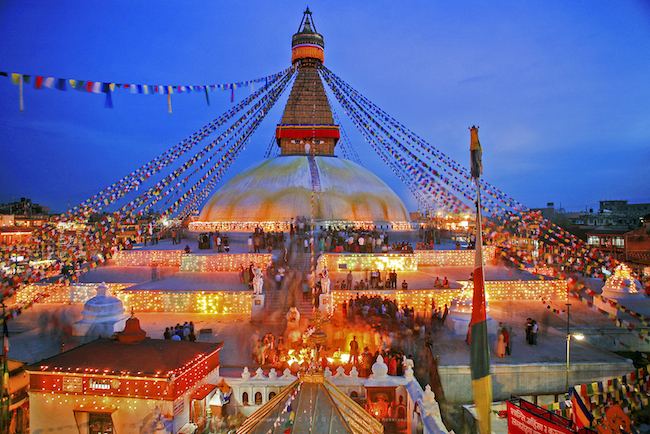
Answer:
(326, 305)
(257, 311)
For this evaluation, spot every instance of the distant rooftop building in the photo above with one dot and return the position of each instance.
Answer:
(23, 207)
(613, 216)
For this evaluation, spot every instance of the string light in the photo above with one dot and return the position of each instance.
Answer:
(359, 261)
(147, 258)
(276, 226)
(224, 262)
(210, 302)
(452, 258)
(191, 263)
(502, 290)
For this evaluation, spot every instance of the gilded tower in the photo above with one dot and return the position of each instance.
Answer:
(307, 126)
(273, 192)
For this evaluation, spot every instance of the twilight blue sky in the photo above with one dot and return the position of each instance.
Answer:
(561, 89)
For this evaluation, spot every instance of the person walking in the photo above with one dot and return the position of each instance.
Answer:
(354, 351)
(534, 330)
(501, 342)
(501, 345)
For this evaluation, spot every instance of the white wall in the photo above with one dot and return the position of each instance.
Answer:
(49, 412)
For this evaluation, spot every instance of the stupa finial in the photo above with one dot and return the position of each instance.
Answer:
(307, 43)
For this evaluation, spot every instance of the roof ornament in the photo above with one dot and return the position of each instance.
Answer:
(307, 23)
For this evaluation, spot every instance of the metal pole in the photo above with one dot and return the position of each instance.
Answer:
(568, 346)
(4, 397)
(568, 366)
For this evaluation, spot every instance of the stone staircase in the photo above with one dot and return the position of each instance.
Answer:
(315, 176)
(278, 301)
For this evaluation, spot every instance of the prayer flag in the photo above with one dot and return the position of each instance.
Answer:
(106, 88)
(476, 153)
(581, 416)
(61, 83)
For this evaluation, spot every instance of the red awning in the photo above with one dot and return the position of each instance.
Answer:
(203, 390)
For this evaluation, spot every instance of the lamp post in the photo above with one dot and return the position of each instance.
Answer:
(569, 335)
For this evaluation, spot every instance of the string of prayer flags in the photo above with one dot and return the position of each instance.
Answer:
(109, 87)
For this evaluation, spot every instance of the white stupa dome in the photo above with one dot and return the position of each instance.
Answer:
(280, 189)
(102, 307)
(102, 315)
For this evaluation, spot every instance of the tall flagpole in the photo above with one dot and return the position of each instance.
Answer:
(5, 396)
(478, 334)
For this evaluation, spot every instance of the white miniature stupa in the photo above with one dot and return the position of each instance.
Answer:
(621, 287)
(622, 284)
(102, 315)
(460, 314)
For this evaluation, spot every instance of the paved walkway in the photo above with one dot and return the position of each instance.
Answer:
(186, 281)
(551, 347)
(29, 344)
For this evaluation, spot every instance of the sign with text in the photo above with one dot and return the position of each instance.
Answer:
(72, 384)
(532, 420)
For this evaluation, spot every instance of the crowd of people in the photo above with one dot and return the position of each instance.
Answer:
(261, 240)
(180, 332)
(375, 281)
(267, 350)
(352, 240)
(214, 241)
(444, 283)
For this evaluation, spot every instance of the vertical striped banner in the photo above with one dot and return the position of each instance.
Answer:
(478, 333)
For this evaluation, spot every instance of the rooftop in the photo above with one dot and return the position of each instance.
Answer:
(147, 358)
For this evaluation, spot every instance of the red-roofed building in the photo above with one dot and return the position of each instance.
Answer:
(123, 385)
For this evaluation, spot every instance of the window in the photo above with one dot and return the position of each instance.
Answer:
(100, 423)
(258, 398)
(593, 240)
(619, 242)
(244, 398)
(271, 395)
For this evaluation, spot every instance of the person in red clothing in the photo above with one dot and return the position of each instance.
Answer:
(392, 365)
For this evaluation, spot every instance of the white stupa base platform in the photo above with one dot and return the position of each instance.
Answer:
(458, 323)
(257, 310)
(96, 329)
(624, 299)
